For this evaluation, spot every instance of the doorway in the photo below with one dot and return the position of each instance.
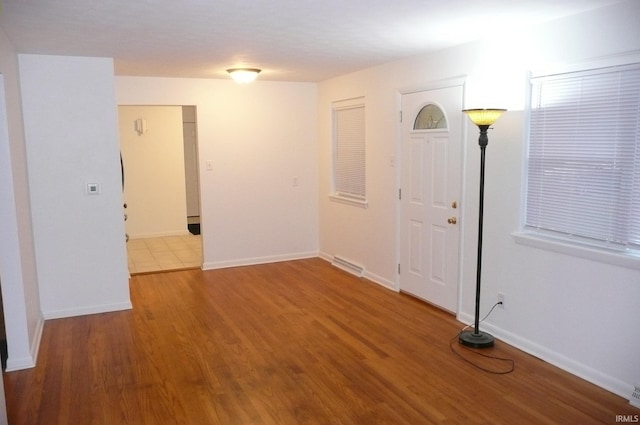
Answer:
(161, 187)
(431, 184)
(192, 180)
(4, 353)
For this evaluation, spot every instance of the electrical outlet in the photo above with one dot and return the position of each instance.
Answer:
(501, 299)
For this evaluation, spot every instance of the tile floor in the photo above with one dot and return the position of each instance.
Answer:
(164, 253)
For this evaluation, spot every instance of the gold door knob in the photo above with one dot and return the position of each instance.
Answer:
(452, 220)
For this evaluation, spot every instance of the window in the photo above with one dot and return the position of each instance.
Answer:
(349, 182)
(583, 163)
(430, 117)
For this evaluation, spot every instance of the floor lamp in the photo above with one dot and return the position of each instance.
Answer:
(483, 118)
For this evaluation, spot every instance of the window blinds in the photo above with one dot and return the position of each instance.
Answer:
(584, 156)
(349, 152)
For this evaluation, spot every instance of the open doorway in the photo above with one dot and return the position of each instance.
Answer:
(192, 180)
(161, 187)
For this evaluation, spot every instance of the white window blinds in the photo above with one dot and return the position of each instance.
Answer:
(584, 156)
(349, 152)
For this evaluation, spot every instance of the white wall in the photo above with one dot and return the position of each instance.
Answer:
(580, 314)
(154, 188)
(258, 138)
(23, 319)
(71, 138)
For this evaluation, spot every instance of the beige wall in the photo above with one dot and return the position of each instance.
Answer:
(259, 139)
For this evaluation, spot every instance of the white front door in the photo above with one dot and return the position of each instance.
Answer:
(430, 197)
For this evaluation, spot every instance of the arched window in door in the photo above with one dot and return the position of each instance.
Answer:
(430, 117)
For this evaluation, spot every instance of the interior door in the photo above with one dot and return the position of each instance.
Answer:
(430, 199)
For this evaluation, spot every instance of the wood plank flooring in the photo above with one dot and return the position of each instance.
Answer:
(295, 342)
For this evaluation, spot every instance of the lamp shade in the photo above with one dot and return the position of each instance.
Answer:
(483, 116)
(243, 75)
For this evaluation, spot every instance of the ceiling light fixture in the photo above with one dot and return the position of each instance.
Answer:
(243, 75)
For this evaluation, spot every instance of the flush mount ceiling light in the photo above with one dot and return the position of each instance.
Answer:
(243, 75)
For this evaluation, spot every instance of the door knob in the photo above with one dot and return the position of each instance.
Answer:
(452, 220)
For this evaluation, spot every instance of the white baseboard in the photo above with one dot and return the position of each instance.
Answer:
(325, 256)
(258, 260)
(35, 341)
(14, 364)
(159, 234)
(83, 311)
(382, 281)
(29, 361)
(609, 383)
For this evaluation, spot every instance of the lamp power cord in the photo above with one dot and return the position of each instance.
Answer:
(510, 363)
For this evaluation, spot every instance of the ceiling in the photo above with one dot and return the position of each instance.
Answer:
(290, 40)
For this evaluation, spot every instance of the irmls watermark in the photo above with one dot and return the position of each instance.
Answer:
(627, 419)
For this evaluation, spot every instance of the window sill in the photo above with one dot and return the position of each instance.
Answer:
(361, 203)
(582, 250)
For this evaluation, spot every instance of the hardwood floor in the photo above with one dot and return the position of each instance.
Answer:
(288, 343)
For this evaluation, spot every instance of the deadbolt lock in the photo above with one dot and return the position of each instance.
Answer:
(454, 205)
(452, 220)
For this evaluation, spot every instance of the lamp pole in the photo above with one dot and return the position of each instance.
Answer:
(483, 118)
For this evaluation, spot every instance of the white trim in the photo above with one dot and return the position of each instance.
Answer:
(258, 260)
(464, 163)
(37, 338)
(379, 280)
(29, 361)
(83, 311)
(159, 235)
(352, 102)
(576, 249)
(20, 363)
(434, 85)
(325, 256)
(362, 203)
(554, 358)
(601, 62)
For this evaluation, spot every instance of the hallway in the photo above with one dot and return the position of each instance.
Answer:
(164, 253)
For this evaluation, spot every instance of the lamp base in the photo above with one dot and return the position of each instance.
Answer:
(476, 340)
